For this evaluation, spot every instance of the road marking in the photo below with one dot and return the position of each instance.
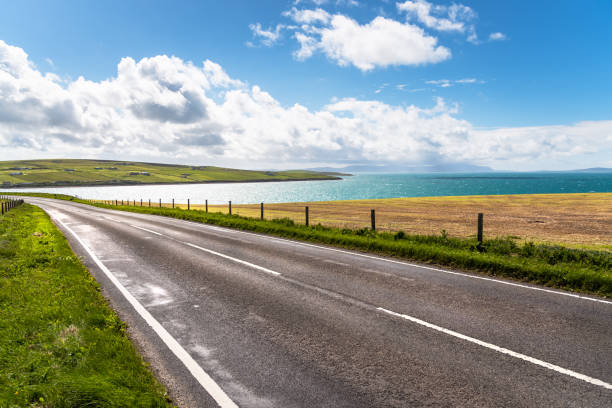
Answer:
(331, 261)
(231, 258)
(145, 229)
(287, 241)
(502, 350)
(194, 368)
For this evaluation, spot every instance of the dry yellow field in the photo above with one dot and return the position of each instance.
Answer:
(581, 220)
(574, 219)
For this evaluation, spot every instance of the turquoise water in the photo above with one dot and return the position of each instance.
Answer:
(359, 186)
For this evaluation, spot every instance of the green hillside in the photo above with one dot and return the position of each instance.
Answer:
(71, 172)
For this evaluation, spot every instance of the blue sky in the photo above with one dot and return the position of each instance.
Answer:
(501, 71)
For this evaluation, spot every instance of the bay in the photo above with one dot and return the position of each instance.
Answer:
(359, 186)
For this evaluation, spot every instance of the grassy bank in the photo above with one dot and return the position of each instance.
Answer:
(75, 172)
(552, 265)
(61, 344)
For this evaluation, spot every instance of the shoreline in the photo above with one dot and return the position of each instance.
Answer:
(93, 184)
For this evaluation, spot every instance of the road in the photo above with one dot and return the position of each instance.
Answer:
(230, 318)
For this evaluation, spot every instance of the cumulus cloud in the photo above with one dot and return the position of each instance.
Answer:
(160, 108)
(583, 144)
(379, 43)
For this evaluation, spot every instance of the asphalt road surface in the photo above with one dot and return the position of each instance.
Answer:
(230, 318)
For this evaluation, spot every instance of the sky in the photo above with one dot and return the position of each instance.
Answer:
(516, 86)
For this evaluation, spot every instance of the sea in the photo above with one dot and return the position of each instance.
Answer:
(355, 187)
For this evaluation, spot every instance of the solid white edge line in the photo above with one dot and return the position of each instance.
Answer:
(211, 387)
(240, 261)
(502, 350)
(147, 230)
(554, 292)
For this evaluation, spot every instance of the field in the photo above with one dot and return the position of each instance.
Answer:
(61, 344)
(69, 172)
(577, 220)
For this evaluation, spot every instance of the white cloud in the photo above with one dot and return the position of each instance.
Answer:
(308, 16)
(580, 145)
(308, 46)
(467, 81)
(442, 83)
(497, 36)
(441, 18)
(446, 83)
(380, 43)
(267, 37)
(456, 17)
(160, 109)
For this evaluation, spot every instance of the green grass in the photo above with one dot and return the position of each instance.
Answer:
(60, 344)
(557, 266)
(65, 172)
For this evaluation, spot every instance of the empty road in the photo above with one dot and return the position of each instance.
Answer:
(230, 318)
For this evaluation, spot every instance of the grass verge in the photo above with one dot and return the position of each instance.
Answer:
(61, 344)
(556, 266)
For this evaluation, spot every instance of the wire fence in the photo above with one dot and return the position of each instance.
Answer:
(577, 220)
(8, 203)
(352, 216)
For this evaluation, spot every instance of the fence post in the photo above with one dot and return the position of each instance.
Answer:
(149, 202)
(262, 215)
(173, 203)
(480, 227)
(141, 202)
(188, 205)
(230, 207)
(160, 203)
(207, 205)
(306, 215)
(373, 219)
(2, 205)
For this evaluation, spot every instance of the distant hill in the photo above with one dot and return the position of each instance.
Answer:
(594, 170)
(77, 172)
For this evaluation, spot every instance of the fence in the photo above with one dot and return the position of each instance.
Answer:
(309, 215)
(8, 203)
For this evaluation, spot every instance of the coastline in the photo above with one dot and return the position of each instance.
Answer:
(127, 183)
